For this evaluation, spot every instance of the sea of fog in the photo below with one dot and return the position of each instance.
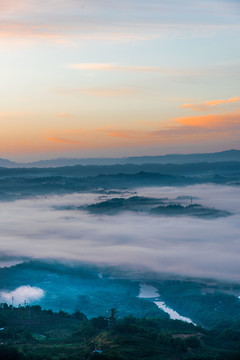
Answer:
(186, 246)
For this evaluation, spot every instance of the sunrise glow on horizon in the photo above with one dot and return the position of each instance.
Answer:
(109, 79)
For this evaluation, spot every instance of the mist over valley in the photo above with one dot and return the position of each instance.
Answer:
(78, 239)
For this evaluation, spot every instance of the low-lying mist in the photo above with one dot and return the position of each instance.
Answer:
(184, 246)
(22, 294)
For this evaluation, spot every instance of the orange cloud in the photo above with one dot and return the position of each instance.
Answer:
(61, 141)
(63, 114)
(152, 137)
(184, 130)
(208, 104)
(176, 128)
(124, 134)
(229, 121)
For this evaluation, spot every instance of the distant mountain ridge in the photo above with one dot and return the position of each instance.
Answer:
(227, 155)
(8, 163)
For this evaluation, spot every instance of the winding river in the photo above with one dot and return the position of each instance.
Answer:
(151, 293)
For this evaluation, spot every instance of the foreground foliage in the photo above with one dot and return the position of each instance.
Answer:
(31, 333)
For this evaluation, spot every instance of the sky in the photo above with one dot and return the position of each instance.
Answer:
(186, 246)
(90, 78)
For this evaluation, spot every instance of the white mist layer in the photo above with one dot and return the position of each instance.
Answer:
(22, 294)
(184, 246)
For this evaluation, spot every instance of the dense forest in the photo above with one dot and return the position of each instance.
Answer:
(30, 333)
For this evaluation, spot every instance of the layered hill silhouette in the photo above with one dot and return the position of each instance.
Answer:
(227, 155)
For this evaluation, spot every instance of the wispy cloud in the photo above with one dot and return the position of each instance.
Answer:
(176, 131)
(72, 34)
(27, 32)
(134, 68)
(125, 134)
(220, 122)
(98, 92)
(114, 20)
(183, 127)
(14, 6)
(114, 67)
(62, 141)
(206, 105)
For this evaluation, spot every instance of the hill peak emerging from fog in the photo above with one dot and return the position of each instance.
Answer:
(227, 155)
